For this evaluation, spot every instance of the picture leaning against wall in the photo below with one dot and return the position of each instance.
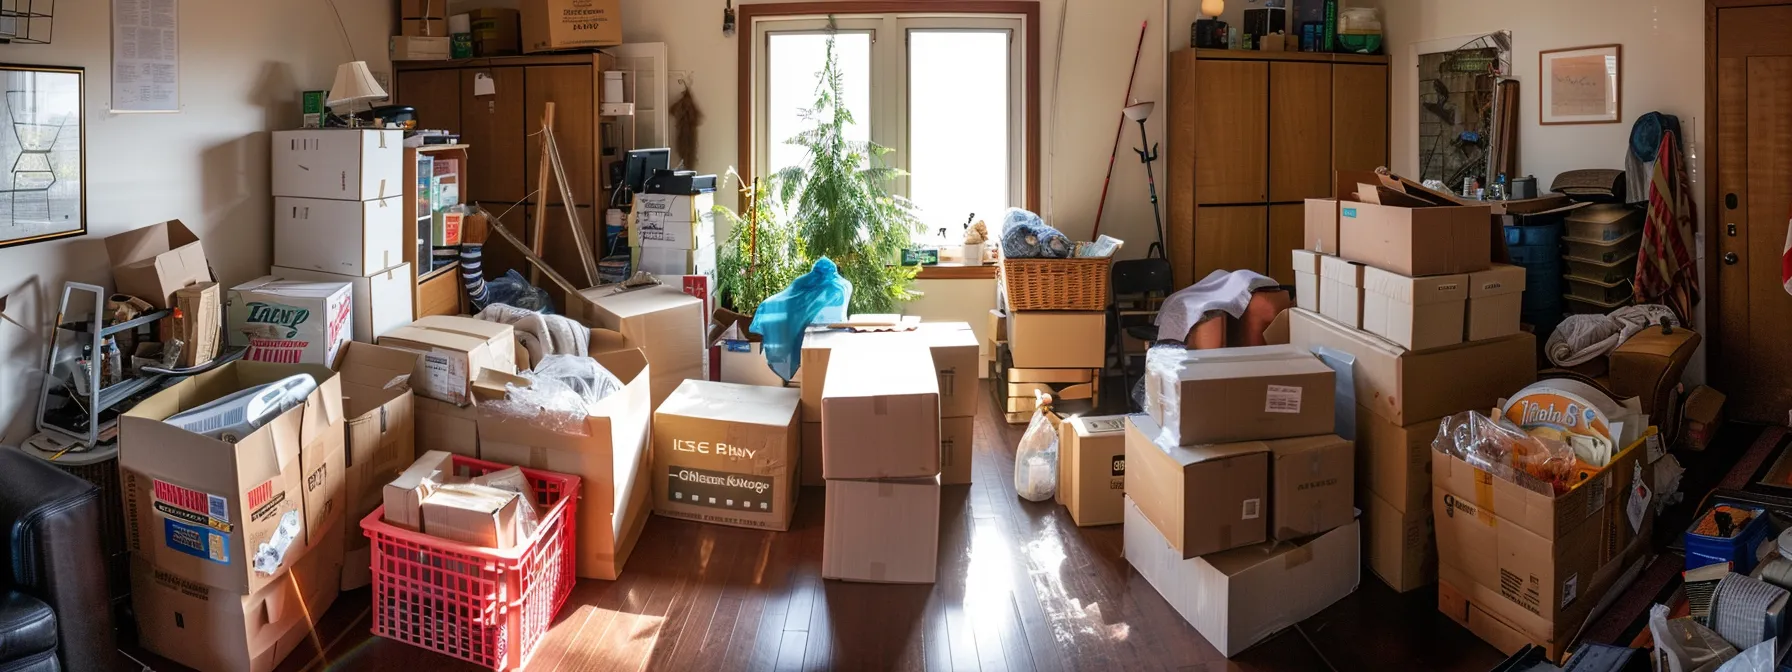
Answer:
(43, 194)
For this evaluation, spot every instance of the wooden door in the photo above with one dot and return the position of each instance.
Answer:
(1300, 131)
(501, 256)
(493, 128)
(1287, 226)
(1231, 132)
(569, 87)
(1359, 117)
(559, 249)
(1231, 238)
(436, 96)
(1749, 308)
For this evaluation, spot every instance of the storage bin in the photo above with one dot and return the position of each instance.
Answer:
(1531, 256)
(1739, 549)
(1604, 223)
(1603, 251)
(1599, 292)
(1579, 306)
(1617, 271)
(1056, 284)
(1548, 235)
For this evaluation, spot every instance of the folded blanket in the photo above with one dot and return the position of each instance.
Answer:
(541, 334)
(1583, 338)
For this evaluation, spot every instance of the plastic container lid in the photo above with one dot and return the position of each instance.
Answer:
(1604, 243)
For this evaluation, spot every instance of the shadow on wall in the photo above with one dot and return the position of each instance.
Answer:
(237, 235)
(276, 96)
(26, 340)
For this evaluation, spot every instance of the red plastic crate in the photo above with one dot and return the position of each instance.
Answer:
(477, 604)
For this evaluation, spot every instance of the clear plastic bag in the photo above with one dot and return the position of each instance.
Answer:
(513, 290)
(1758, 658)
(818, 297)
(1163, 362)
(1682, 645)
(1502, 449)
(1036, 459)
(560, 395)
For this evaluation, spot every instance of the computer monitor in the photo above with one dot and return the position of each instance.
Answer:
(641, 165)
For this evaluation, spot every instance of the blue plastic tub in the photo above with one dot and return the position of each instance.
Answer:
(1542, 235)
(1738, 549)
(1533, 256)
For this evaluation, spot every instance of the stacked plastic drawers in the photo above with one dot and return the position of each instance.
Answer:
(1536, 244)
(1602, 242)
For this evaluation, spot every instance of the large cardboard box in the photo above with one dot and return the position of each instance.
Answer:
(1417, 313)
(956, 358)
(231, 515)
(496, 32)
(610, 453)
(290, 321)
(153, 262)
(1495, 302)
(669, 325)
(475, 515)
(219, 630)
(382, 299)
(423, 9)
(1314, 486)
(880, 413)
(381, 429)
(341, 164)
(1394, 462)
(1341, 290)
(342, 237)
(1240, 597)
(727, 454)
(323, 479)
(1321, 226)
(1417, 241)
(1407, 387)
(882, 531)
(1243, 394)
(403, 495)
(1092, 468)
(447, 427)
(1307, 290)
(1401, 546)
(811, 471)
(549, 25)
(1057, 340)
(958, 448)
(455, 349)
(1203, 499)
(675, 221)
(407, 48)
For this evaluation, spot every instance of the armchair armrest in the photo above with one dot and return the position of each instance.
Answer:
(52, 523)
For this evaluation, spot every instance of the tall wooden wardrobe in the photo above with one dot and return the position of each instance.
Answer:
(1254, 134)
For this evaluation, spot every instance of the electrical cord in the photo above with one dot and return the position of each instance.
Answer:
(343, 26)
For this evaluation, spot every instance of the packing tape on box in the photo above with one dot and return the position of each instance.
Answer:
(1299, 556)
(1484, 497)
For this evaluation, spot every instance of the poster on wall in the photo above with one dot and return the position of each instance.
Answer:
(44, 196)
(145, 56)
(1584, 85)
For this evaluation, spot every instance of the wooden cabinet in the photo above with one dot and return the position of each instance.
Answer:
(436, 96)
(1250, 137)
(493, 126)
(572, 90)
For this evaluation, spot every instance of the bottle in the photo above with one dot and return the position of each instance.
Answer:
(114, 362)
(84, 371)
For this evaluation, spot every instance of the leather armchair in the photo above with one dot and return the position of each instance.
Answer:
(54, 611)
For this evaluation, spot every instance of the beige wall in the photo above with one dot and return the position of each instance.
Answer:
(242, 64)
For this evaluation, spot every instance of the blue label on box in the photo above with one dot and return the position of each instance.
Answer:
(199, 542)
(1350, 212)
(738, 346)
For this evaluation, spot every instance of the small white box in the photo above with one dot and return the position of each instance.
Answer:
(345, 237)
(290, 321)
(673, 261)
(1417, 313)
(341, 164)
(672, 221)
(382, 300)
(1306, 279)
(613, 92)
(1341, 291)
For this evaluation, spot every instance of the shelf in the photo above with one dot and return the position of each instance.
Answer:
(111, 396)
(1306, 56)
(141, 320)
(441, 148)
(426, 277)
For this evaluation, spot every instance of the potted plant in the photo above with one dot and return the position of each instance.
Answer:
(763, 254)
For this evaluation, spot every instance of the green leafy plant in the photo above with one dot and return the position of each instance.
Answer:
(763, 254)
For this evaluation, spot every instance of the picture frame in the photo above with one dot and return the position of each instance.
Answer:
(1581, 85)
(43, 153)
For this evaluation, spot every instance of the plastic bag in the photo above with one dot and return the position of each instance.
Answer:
(1758, 658)
(513, 290)
(1163, 361)
(560, 394)
(1506, 451)
(1026, 236)
(583, 375)
(1036, 459)
(1682, 645)
(818, 297)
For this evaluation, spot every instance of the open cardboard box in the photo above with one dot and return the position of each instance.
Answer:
(153, 262)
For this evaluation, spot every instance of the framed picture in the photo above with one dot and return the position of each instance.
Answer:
(1584, 85)
(43, 154)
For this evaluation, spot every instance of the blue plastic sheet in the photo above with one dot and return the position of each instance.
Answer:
(818, 297)
(1026, 236)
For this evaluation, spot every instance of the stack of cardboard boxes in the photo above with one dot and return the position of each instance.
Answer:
(1056, 352)
(674, 234)
(1239, 498)
(423, 31)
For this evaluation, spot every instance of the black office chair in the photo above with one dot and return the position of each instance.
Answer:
(1139, 288)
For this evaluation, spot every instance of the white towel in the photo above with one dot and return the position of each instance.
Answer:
(1228, 291)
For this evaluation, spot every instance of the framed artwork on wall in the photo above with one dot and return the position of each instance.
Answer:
(1583, 85)
(43, 155)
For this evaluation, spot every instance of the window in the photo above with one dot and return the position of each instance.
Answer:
(946, 95)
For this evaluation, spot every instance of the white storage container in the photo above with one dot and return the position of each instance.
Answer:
(341, 164)
(357, 238)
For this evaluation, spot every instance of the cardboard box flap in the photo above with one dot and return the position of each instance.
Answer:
(605, 341)
(145, 244)
(724, 318)
(1380, 195)
(1348, 180)
(1416, 291)
(1337, 269)
(1307, 261)
(733, 403)
(1496, 281)
(424, 340)
(373, 375)
(455, 324)
(629, 303)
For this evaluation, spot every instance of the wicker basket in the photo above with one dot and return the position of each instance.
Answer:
(1056, 284)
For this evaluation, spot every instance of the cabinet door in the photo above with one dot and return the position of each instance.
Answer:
(500, 255)
(1287, 226)
(492, 127)
(569, 87)
(559, 249)
(1300, 131)
(1231, 132)
(1231, 239)
(435, 94)
(1359, 117)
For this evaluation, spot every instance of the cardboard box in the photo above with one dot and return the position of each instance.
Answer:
(202, 322)
(423, 9)
(474, 515)
(1495, 302)
(676, 221)
(404, 48)
(612, 456)
(1502, 636)
(342, 164)
(880, 414)
(998, 325)
(1418, 313)
(664, 261)
(1313, 487)
(1401, 546)
(230, 515)
(811, 471)
(1417, 241)
(382, 299)
(1407, 387)
(669, 325)
(1092, 468)
(956, 357)
(403, 495)
(342, 237)
(455, 350)
(496, 32)
(727, 454)
(445, 426)
(323, 476)
(1243, 394)
(1203, 499)
(1240, 597)
(290, 321)
(1058, 340)
(1704, 417)
(381, 439)
(958, 449)
(549, 25)
(1341, 291)
(1051, 376)
(1030, 401)
(153, 262)
(1321, 226)
(1394, 462)
(882, 531)
(1306, 279)
(219, 630)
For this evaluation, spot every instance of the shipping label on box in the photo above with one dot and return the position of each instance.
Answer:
(290, 322)
(727, 454)
(1203, 499)
(1092, 478)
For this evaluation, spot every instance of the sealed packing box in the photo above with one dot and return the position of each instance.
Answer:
(1418, 313)
(341, 237)
(202, 317)
(676, 221)
(812, 454)
(1092, 468)
(323, 478)
(290, 321)
(956, 357)
(224, 514)
(1439, 240)
(1203, 499)
(382, 300)
(1028, 402)
(496, 32)
(727, 454)
(1321, 226)
(341, 164)
(407, 48)
(668, 324)
(880, 413)
(610, 452)
(957, 450)
(665, 261)
(1240, 597)
(1306, 279)
(1313, 487)
(445, 426)
(403, 495)
(437, 27)
(1394, 462)
(882, 531)
(1341, 291)
(1401, 545)
(455, 349)
(476, 515)
(1243, 394)
(1407, 387)
(1058, 340)
(381, 435)
(153, 262)
(549, 25)
(1495, 302)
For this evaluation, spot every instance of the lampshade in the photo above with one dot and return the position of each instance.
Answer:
(354, 83)
(1139, 112)
(1213, 8)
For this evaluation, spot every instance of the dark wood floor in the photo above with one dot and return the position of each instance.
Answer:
(1020, 588)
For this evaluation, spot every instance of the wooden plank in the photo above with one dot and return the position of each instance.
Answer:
(1232, 132)
(1300, 131)
(1232, 238)
(1179, 176)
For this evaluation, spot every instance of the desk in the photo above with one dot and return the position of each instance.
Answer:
(958, 293)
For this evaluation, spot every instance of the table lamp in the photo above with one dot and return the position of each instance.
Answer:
(354, 83)
(1210, 32)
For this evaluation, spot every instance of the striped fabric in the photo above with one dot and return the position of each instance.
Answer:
(472, 276)
(1666, 271)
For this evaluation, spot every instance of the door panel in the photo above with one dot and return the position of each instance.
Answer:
(1287, 226)
(1300, 131)
(492, 127)
(1729, 316)
(1179, 168)
(500, 255)
(559, 249)
(436, 96)
(1231, 239)
(1231, 132)
(1359, 117)
(1769, 199)
(569, 88)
